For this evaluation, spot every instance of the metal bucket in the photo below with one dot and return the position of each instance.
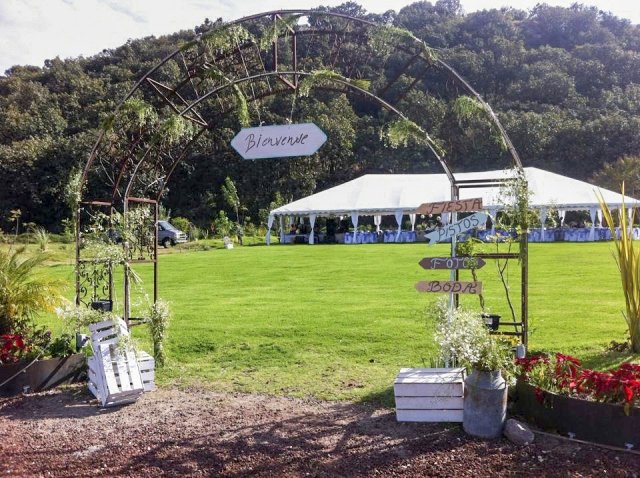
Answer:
(485, 404)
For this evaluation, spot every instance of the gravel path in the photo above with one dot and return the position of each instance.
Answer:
(187, 433)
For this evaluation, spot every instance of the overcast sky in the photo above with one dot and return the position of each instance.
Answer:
(34, 30)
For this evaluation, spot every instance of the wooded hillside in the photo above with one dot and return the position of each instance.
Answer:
(565, 83)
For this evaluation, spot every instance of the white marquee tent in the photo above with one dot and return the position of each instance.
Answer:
(400, 194)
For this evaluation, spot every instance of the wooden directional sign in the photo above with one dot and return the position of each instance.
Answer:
(279, 141)
(452, 263)
(463, 205)
(455, 287)
(450, 230)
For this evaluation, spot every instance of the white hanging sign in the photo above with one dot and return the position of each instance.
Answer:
(463, 225)
(279, 141)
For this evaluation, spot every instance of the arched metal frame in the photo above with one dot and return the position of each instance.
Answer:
(131, 163)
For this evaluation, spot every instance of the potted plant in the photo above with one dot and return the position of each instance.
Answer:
(463, 339)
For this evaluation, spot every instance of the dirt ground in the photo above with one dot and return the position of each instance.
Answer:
(188, 433)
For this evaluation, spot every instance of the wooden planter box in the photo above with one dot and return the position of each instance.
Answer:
(114, 375)
(604, 423)
(42, 375)
(429, 394)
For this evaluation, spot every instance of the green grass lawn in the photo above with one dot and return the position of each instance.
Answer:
(337, 322)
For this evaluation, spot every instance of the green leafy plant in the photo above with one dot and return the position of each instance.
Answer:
(222, 38)
(62, 346)
(222, 225)
(515, 199)
(41, 238)
(230, 194)
(126, 343)
(627, 255)
(470, 249)
(78, 318)
(73, 189)
(174, 129)
(468, 109)
(159, 315)
(383, 38)
(181, 223)
(516, 216)
(23, 292)
(400, 132)
(139, 111)
(134, 110)
(282, 26)
(324, 77)
(242, 104)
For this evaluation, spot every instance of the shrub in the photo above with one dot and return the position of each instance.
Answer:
(41, 238)
(463, 339)
(158, 323)
(22, 292)
(222, 225)
(249, 229)
(181, 223)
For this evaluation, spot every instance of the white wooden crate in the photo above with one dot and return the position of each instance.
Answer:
(147, 366)
(429, 394)
(114, 376)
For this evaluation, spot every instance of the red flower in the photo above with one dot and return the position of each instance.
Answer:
(526, 364)
(567, 358)
(621, 385)
(13, 347)
(628, 393)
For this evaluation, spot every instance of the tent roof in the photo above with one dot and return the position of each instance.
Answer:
(386, 193)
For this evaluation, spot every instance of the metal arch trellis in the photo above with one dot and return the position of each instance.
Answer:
(130, 158)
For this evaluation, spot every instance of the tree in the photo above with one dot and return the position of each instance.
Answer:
(230, 194)
(625, 169)
(231, 197)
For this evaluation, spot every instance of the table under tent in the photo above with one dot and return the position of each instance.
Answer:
(399, 195)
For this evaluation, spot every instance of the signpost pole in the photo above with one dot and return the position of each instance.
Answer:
(454, 275)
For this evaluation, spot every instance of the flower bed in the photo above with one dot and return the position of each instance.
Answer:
(558, 393)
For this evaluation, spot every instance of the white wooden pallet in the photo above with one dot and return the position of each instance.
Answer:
(114, 376)
(429, 394)
(147, 366)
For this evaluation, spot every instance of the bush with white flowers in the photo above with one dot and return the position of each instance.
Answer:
(463, 339)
